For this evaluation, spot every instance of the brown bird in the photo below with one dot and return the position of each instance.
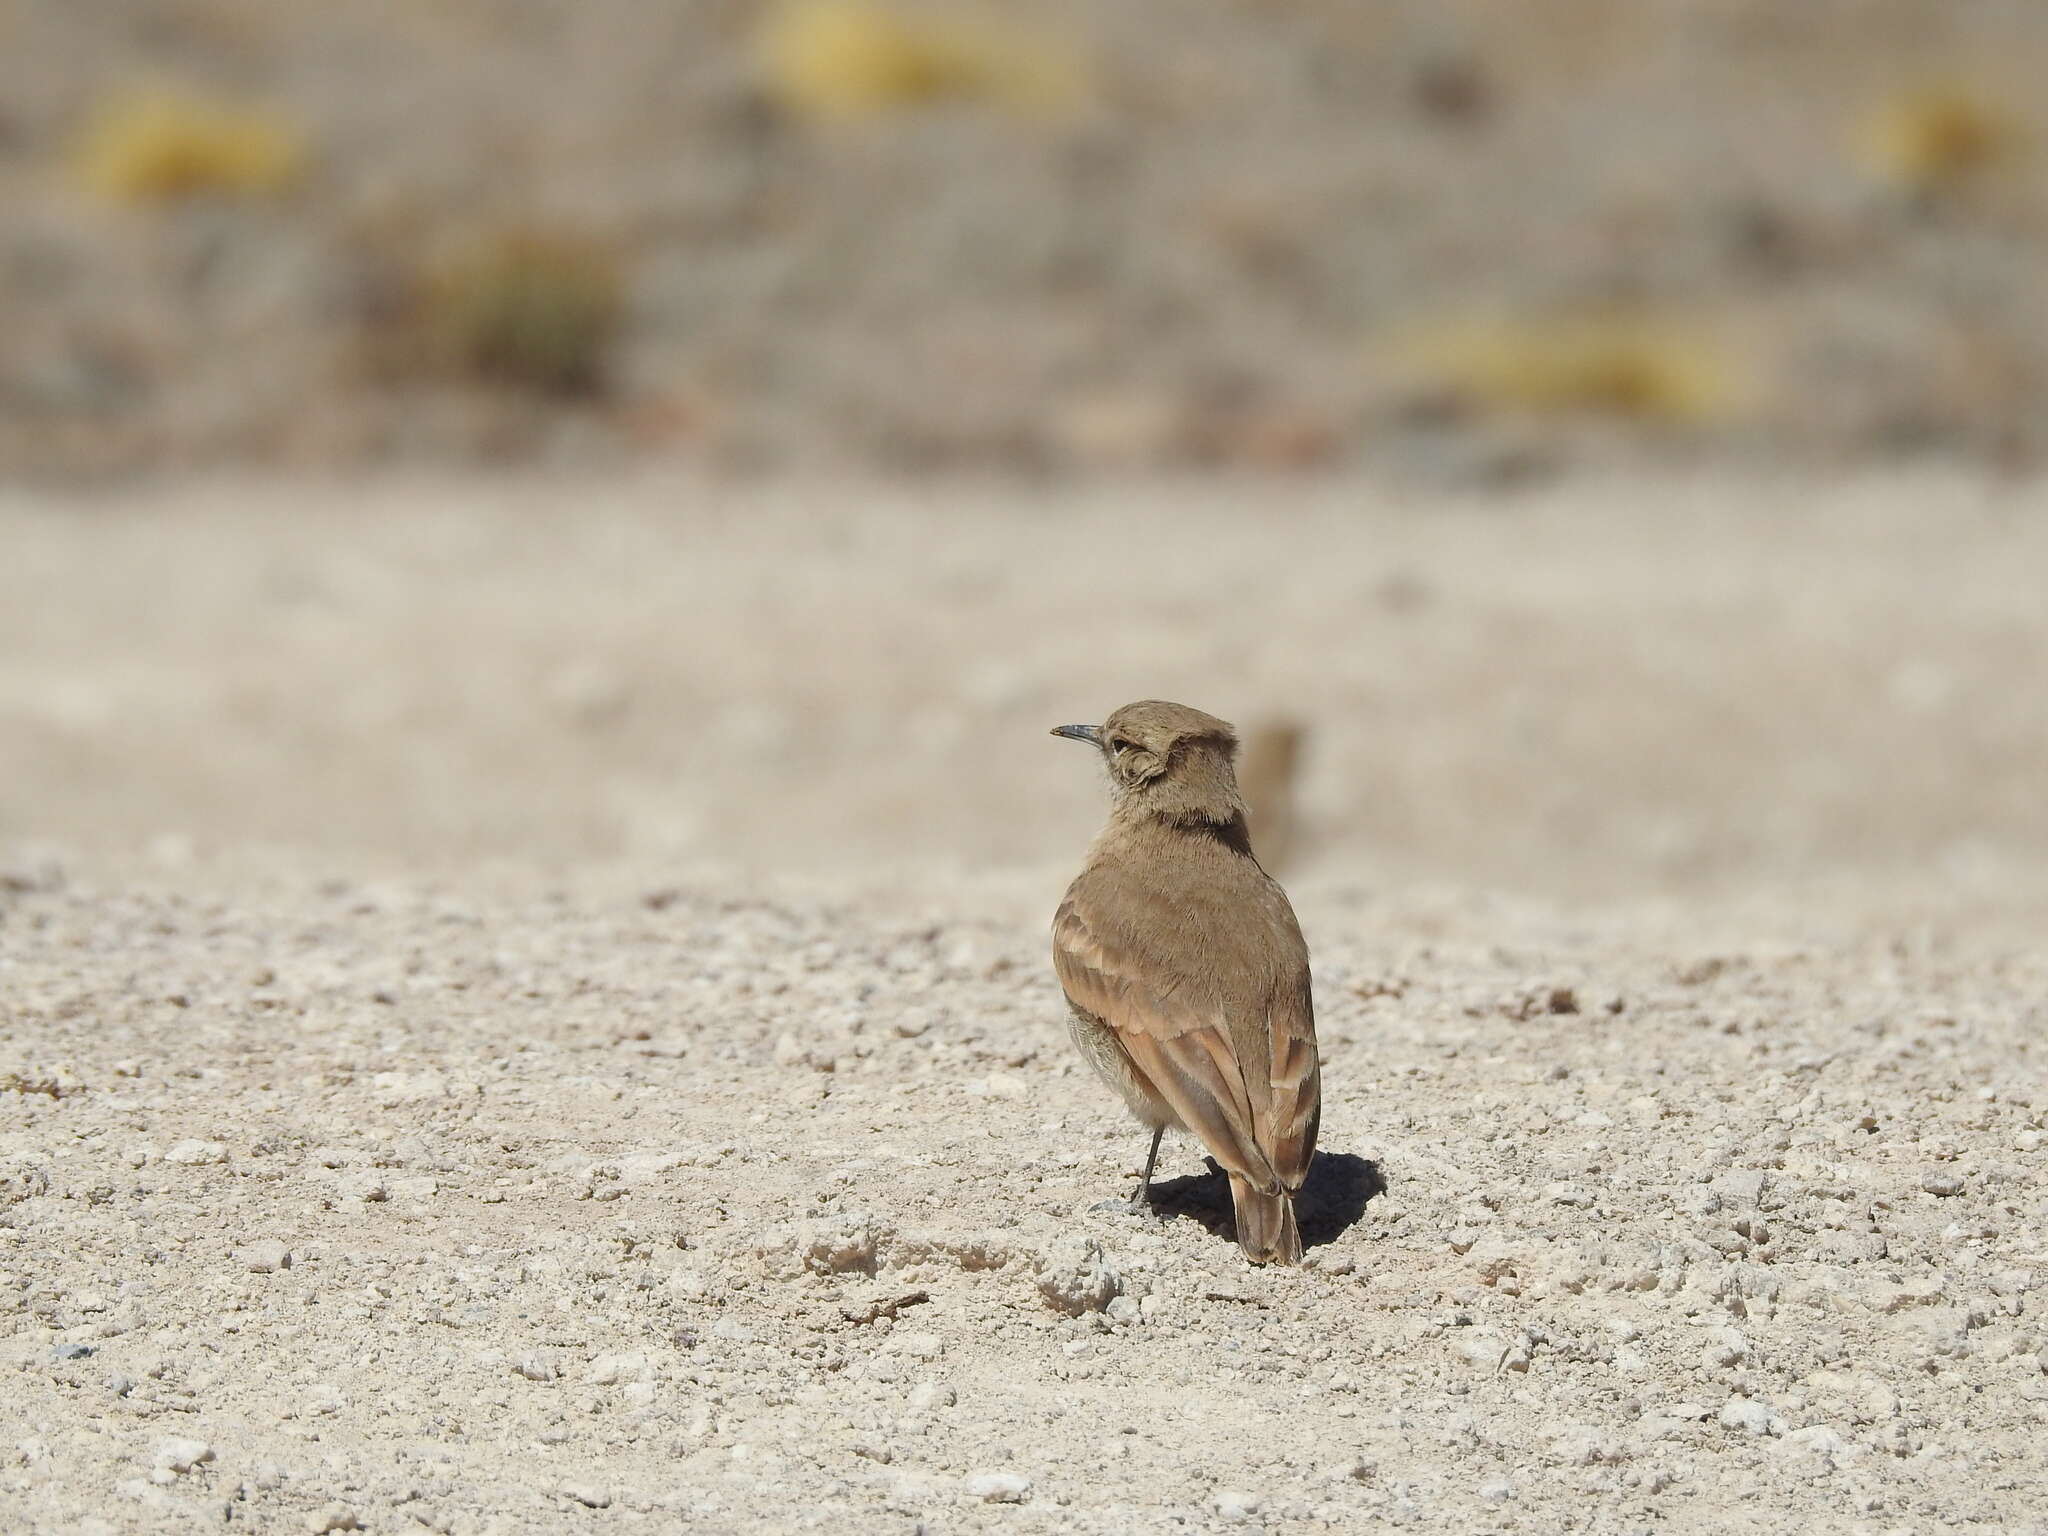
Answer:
(1186, 971)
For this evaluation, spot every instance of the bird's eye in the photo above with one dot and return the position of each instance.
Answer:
(1118, 744)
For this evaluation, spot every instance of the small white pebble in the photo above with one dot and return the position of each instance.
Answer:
(193, 1153)
(589, 1495)
(536, 1368)
(1942, 1184)
(180, 1455)
(1816, 1437)
(1745, 1414)
(264, 1257)
(1235, 1504)
(363, 1184)
(923, 1346)
(998, 1487)
(335, 1517)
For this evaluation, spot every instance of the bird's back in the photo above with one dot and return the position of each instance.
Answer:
(1193, 913)
(1175, 938)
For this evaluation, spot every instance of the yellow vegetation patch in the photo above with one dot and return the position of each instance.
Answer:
(159, 146)
(856, 58)
(1939, 137)
(533, 309)
(1615, 364)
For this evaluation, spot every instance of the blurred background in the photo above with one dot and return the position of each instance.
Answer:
(1452, 238)
(1589, 441)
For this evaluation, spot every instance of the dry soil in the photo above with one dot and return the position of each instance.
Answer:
(466, 1063)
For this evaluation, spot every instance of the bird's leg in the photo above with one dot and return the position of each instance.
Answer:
(1137, 1205)
(1138, 1200)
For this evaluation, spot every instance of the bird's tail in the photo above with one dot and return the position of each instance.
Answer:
(1265, 1224)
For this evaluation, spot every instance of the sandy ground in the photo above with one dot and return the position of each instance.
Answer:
(466, 1060)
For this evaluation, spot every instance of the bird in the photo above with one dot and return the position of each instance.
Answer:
(1185, 972)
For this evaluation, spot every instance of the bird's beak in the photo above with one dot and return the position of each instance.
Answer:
(1092, 734)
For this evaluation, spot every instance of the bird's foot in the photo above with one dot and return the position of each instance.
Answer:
(1135, 1205)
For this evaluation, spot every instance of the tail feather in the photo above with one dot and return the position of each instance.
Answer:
(1265, 1224)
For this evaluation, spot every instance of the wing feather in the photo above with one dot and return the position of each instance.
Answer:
(1181, 1044)
(1296, 1103)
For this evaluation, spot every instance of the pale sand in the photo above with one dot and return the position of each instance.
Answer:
(472, 892)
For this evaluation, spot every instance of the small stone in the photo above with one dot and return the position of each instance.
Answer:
(264, 1257)
(1942, 1185)
(194, 1153)
(933, 1394)
(789, 1052)
(1818, 1438)
(998, 1487)
(334, 1517)
(1583, 1446)
(1921, 1291)
(1742, 1190)
(1235, 1504)
(536, 1367)
(1075, 1276)
(922, 1346)
(1482, 1349)
(610, 1370)
(179, 1455)
(1123, 1309)
(1745, 1414)
(589, 1495)
(364, 1184)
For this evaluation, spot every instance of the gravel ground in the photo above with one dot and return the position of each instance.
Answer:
(334, 1204)
(530, 1009)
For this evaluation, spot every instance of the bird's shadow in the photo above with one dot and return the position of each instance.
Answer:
(1339, 1187)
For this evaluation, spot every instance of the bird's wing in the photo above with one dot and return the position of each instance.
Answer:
(1294, 1112)
(1179, 1043)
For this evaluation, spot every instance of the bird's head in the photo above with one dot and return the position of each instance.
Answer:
(1167, 759)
